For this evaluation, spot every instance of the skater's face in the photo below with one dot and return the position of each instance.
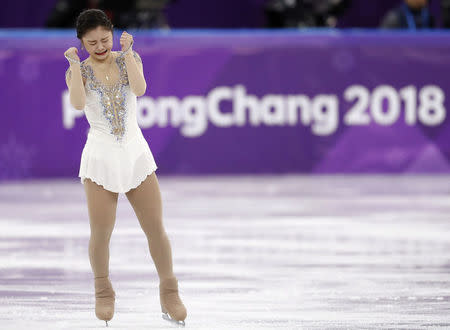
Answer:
(98, 42)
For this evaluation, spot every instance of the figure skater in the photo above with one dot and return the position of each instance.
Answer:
(116, 157)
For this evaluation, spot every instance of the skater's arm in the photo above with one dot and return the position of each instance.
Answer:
(74, 80)
(133, 64)
(75, 84)
(135, 73)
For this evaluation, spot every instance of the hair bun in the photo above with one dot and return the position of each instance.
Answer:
(90, 19)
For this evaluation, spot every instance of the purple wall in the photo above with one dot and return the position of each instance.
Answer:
(207, 14)
(243, 102)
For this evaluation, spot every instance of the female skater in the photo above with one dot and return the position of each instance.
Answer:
(116, 157)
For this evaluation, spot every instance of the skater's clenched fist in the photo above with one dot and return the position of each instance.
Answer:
(126, 40)
(72, 52)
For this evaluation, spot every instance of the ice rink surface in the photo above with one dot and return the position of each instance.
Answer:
(250, 252)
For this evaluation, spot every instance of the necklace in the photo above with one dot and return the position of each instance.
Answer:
(109, 69)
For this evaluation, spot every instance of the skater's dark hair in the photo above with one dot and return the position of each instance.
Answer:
(90, 19)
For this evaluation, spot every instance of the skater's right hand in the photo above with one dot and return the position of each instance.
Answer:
(72, 52)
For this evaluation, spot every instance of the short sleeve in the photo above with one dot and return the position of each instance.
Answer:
(137, 57)
(68, 75)
(84, 74)
(84, 71)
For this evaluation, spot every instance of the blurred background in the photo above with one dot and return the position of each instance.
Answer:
(219, 14)
(303, 152)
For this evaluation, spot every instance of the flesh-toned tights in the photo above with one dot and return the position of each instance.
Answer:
(147, 205)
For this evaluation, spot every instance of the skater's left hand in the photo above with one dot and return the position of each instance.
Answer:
(126, 40)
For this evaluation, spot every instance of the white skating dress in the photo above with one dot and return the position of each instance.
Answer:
(116, 154)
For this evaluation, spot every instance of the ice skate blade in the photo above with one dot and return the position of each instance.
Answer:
(166, 317)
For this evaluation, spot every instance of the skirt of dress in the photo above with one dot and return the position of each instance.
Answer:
(117, 167)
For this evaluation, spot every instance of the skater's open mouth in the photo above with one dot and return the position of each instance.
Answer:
(102, 53)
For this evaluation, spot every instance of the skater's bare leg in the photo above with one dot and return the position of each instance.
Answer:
(102, 205)
(146, 202)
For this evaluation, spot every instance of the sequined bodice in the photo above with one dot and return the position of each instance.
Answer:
(110, 109)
